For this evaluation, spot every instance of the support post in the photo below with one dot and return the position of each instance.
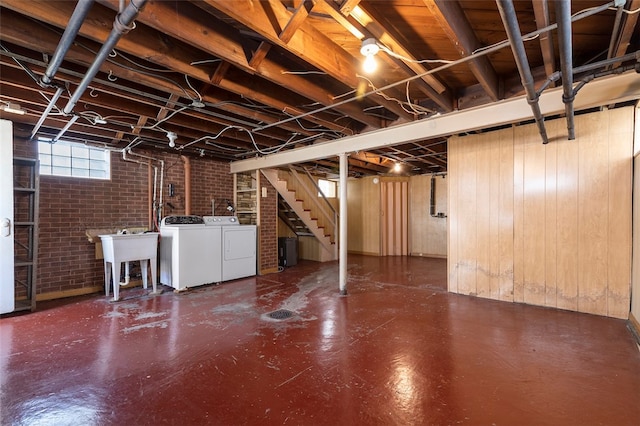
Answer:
(344, 169)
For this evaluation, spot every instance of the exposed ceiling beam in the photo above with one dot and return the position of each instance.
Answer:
(373, 22)
(541, 13)
(456, 26)
(267, 17)
(299, 15)
(628, 26)
(608, 90)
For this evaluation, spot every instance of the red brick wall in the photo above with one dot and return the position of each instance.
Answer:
(268, 231)
(70, 206)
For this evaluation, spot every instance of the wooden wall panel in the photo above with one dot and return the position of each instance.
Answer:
(506, 214)
(518, 218)
(561, 234)
(427, 235)
(467, 224)
(592, 213)
(363, 210)
(621, 127)
(493, 181)
(395, 203)
(533, 214)
(635, 281)
(551, 217)
(567, 229)
(483, 216)
(453, 175)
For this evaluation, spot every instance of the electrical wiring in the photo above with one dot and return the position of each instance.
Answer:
(157, 123)
(205, 61)
(303, 72)
(186, 78)
(139, 65)
(484, 51)
(415, 61)
(402, 104)
(628, 12)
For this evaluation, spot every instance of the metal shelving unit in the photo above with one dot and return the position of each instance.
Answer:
(26, 186)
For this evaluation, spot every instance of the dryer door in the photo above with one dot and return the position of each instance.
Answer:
(239, 252)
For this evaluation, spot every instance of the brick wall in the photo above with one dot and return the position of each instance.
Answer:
(70, 206)
(268, 229)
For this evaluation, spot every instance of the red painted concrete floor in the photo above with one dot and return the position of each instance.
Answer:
(397, 350)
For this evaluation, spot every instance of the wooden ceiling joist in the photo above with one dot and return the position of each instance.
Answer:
(454, 23)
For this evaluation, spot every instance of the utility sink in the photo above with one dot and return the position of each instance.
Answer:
(118, 248)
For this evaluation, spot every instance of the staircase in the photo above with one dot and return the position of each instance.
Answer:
(303, 210)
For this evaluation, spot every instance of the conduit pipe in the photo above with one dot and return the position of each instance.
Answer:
(65, 128)
(46, 112)
(510, 21)
(121, 25)
(605, 63)
(156, 206)
(563, 16)
(151, 187)
(187, 184)
(70, 33)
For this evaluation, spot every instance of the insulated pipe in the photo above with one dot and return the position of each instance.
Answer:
(121, 25)
(46, 112)
(344, 169)
(187, 184)
(70, 33)
(563, 16)
(510, 21)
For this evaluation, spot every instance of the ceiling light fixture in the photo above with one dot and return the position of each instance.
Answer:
(369, 49)
(172, 139)
(397, 167)
(13, 108)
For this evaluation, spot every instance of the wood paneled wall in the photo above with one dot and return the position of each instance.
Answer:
(395, 217)
(427, 235)
(546, 225)
(635, 279)
(363, 210)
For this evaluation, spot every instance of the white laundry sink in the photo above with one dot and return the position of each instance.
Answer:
(118, 248)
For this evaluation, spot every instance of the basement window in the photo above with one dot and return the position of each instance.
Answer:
(327, 187)
(73, 159)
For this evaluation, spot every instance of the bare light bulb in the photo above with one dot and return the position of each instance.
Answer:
(397, 167)
(172, 139)
(370, 64)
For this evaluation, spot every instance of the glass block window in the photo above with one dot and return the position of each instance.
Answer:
(73, 159)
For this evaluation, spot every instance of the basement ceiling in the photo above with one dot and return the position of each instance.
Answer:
(238, 79)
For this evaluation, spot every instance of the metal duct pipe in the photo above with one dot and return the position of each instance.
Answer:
(121, 25)
(510, 21)
(563, 16)
(70, 33)
(46, 112)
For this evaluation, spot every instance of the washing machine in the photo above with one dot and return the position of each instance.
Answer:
(238, 245)
(190, 252)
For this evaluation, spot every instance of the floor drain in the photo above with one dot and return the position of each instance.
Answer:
(280, 314)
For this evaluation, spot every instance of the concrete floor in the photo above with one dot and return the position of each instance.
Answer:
(397, 350)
